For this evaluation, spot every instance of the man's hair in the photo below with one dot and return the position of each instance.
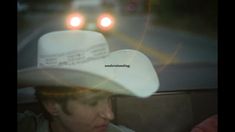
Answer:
(60, 95)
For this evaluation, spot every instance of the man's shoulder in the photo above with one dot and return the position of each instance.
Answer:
(26, 122)
(30, 122)
(118, 128)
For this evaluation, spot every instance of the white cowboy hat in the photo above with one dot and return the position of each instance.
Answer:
(82, 58)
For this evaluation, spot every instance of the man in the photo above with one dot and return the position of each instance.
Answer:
(76, 77)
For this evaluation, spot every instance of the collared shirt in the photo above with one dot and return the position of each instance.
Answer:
(30, 122)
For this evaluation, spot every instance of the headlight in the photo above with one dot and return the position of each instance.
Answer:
(105, 22)
(75, 21)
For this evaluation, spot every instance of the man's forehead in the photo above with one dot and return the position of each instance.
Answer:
(95, 94)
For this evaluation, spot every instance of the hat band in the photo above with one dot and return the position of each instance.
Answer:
(73, 57)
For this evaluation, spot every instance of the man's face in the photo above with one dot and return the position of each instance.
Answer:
(89, 113)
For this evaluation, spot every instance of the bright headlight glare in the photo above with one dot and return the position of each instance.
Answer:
(105, 22)
(75, 21)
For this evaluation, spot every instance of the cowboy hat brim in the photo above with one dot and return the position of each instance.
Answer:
(127, 72)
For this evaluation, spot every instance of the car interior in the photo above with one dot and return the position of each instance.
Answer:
(164, 111)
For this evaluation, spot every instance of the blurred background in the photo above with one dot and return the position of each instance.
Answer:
(167, 30)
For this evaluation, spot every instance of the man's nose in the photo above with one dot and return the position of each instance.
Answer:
(106, 111)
